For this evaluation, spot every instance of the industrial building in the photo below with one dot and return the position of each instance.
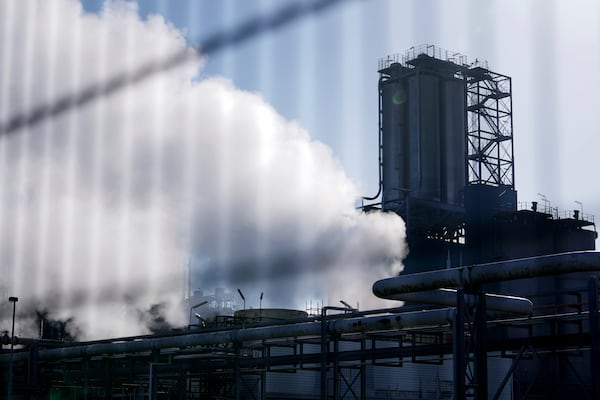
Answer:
(502, 296)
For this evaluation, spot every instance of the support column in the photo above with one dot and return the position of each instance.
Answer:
(459, 346)
(363, 371)
(86, 378)
(480, 346)
(155, 358)
(336, 367)
(323, 355)
(263, 385)
(238, 378)
(594, 284)
(33, 370)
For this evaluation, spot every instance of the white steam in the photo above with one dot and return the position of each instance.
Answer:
(101, 207)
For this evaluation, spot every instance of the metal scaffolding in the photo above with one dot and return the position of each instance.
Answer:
(489, 128)
(338, 351)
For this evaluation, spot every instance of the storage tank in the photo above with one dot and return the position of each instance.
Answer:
(422, 127)
(452, 141)
(395, 140)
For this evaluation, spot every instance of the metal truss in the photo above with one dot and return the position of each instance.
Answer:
(489, 128)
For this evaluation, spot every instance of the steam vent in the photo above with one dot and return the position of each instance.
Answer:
(500, 297)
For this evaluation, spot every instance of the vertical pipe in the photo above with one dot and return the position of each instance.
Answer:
(12, 348)
(593, 286)
(189, 384)
(189, 282)
(363, 371)
(263, 385)
(86, 371)
(481, 348)
(336, 367)
(459, 346)
(33, 380)
(238, 380)
(181, 385)
(109, 386)
(323, 355)
(150, 382)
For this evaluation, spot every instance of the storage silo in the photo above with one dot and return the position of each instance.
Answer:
(396, 143)
(422, 111)
(422, 105)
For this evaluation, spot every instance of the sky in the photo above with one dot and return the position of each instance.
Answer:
(104, 204)
(322, 72)
(250, 161)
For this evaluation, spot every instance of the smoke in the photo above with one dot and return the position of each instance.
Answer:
(102, 207)
(155, 319)
(49, 328)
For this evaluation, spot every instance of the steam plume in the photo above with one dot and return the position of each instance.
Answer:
(101, 207)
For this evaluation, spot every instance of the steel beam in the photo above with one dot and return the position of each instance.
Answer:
(594, 285)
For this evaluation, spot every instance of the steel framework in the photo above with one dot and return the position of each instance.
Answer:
(242, 370)
(489, 128)
(237, 362)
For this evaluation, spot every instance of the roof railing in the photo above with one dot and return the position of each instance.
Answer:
(431, 51)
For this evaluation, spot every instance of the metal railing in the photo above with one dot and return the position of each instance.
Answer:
(555, 212)
(431, 51)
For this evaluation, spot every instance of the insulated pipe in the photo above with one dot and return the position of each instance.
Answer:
(474, 275)
(349, 325)
(447, 297)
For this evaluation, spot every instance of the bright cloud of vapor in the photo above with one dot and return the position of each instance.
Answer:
(101, 207)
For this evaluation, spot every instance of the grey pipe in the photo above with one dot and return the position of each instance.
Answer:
(306, 329)
(447, 297)
(474, 275)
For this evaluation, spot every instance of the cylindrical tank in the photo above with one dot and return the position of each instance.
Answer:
(395, 140)
(423, 136)
(429, 154)
(452, 139)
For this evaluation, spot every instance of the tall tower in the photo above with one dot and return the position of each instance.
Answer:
(490, 186)
(446, 165)
(422, 126)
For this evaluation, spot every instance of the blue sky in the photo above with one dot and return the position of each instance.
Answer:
(321, 71)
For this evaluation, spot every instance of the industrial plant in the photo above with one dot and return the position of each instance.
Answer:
(500, 297)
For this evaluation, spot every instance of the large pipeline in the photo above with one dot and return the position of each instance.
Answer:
(475, 275)
(495, 304)
(387, 288)
(306, 329)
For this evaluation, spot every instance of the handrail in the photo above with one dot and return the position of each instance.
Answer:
(431, 51)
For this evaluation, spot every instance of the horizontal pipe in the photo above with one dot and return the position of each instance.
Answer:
(306, 329)
(447, 297)
(475, 275)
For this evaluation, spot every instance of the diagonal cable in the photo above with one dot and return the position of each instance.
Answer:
(212, 44)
